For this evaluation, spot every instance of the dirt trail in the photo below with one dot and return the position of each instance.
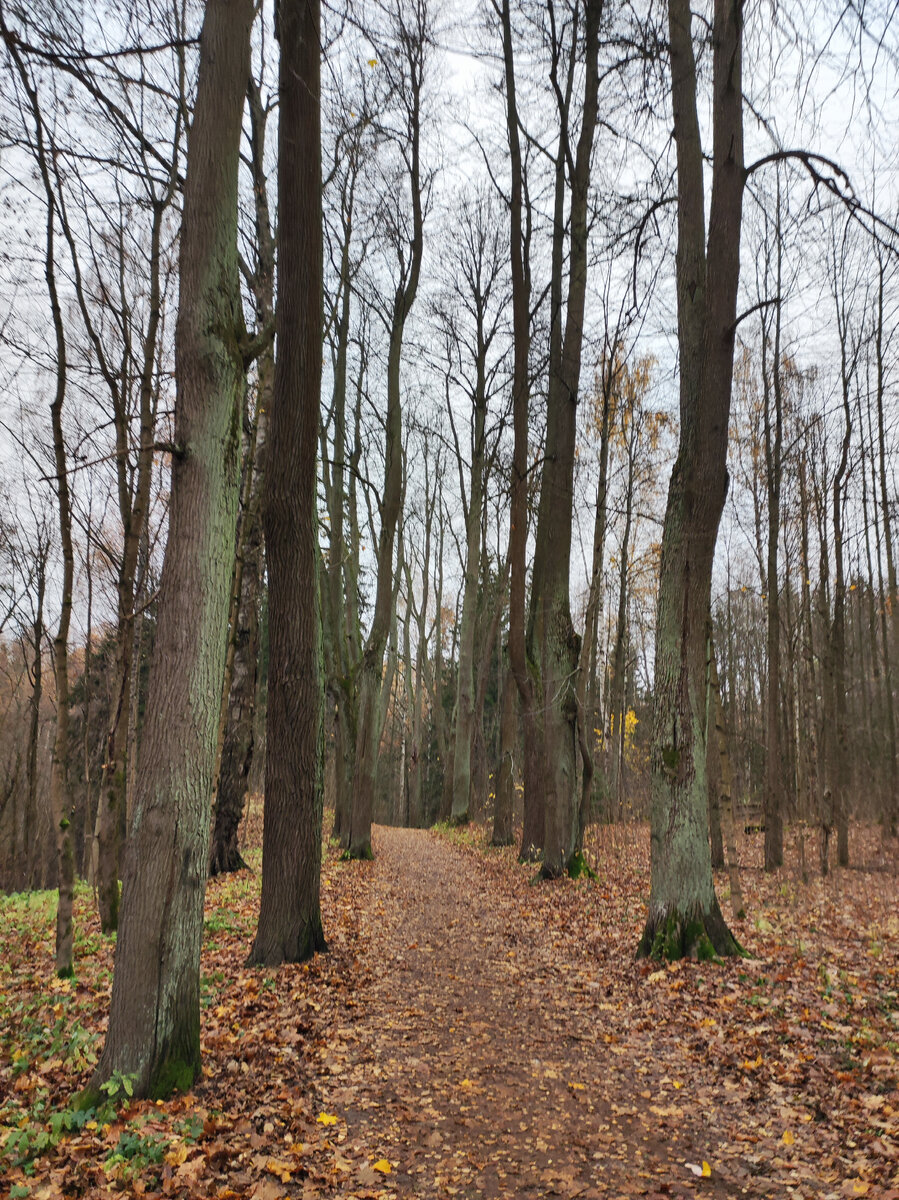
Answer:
(482, 1056)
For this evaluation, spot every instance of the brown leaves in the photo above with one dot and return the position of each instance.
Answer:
(481, 1036)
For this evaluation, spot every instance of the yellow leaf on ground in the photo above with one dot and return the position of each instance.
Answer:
(326, 1119)
(282, 1169)
(706, 1169)
(176, 1157)
(788, 1138)
(383, 1166)
(577, 1087)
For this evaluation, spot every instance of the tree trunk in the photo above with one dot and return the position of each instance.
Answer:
(237, 742)
(774, 794)
(892, 601)
(369, 686)
(504, 803)
(684, 916)
(586, 679)
(290, 924)
(724, 794)
(26, 835)
(154, 1023)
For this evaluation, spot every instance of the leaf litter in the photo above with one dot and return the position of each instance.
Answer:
(471, 1034)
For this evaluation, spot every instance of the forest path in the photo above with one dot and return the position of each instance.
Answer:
(483, 1053)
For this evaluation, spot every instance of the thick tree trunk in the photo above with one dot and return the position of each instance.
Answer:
(290, 924)
(684, 916)
(154, 1024)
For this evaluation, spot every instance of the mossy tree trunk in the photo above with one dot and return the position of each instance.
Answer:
(684, 916)
(290, 923)
(154, 1023)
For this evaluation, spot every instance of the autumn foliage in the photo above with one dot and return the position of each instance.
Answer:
(470, 1034)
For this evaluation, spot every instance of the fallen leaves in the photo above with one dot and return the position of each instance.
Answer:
(470, 1035)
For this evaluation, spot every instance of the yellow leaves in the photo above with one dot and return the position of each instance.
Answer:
(788, 1139)
(383, 1166)
(746, 1065)
(177, 1156)
(282, 1170)
(324, 1118)
(577, 1087)
(466, 1083)
(703, 1172)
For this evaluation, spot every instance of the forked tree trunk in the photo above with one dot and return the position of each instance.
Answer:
(154, 1022)
(290, 923)
(684, 916)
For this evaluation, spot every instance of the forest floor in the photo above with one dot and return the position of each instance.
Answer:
(472, 1034)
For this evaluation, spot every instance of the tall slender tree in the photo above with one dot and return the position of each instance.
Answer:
(411, 30)
(290, 924)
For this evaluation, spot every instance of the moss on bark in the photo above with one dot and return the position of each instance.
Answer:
(703, 936)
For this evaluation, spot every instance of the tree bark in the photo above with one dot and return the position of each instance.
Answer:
(290, 923)
(504, 802)
(684, 916)
(774, 795)
(553, 646)
(154, 1023)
